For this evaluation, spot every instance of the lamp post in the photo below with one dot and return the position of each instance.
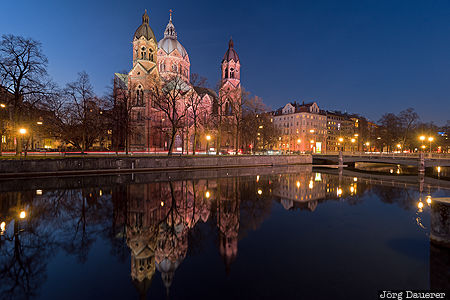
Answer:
(22, 132)
(2, 106)
(430, 139)
(208, 138)
(341, 143)
(353, 144)
(368, 145)
(422, 138)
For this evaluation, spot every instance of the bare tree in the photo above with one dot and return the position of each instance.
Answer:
(167, 95)
(23, 73)
(408, 119)
(195, 105)
(121, 101)
(84, 123)
(225, 111)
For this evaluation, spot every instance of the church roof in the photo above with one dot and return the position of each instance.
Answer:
(145, 30)
(122, 80)
(231, 54)
(202, 91)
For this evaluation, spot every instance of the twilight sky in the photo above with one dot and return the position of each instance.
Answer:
(361, 56)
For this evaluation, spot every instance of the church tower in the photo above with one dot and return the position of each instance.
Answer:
(141, 79)
(230, 96)
(231, 66)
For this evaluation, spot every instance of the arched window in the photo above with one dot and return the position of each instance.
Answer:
(139, 96)
(174, 68)
(227, 109)
(150, 54)
(231, 73)
(226, 73)
(143, 53)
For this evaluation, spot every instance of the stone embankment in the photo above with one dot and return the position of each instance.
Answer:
(103, 165)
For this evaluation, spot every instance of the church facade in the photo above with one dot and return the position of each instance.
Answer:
(145, 126)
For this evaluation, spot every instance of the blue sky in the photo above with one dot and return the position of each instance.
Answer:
(367, 57)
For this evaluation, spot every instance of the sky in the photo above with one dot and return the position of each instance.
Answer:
(365, 56)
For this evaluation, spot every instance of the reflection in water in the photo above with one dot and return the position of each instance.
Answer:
(157, 225)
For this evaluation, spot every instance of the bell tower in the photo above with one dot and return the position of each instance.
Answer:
(231, 66)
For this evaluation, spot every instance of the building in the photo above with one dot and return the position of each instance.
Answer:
(349, 132)
(302, 128)
(147, 126)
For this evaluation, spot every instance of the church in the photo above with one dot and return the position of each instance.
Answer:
(145, 126)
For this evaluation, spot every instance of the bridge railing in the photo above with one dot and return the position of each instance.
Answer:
(389, 155)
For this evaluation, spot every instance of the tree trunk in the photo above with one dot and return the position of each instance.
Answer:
(172, 141)
(194, 145)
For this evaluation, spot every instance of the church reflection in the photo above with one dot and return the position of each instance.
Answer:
(155, 225)
(159, 217)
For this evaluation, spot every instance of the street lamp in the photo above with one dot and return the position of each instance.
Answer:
(2, 105)
(430, 139)
(341, 140)
(208, 138)
(353, 146)
(22, 131)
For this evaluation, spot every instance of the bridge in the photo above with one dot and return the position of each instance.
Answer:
(408, 159)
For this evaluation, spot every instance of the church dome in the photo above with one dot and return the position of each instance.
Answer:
(145, 30)
(231, 54)
(170, 42)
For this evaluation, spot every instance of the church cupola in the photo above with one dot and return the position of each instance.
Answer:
(144, 42)
(145, 30)
(173, 59)
(231, 65)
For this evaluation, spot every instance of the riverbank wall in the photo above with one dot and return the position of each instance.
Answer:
(104, 165)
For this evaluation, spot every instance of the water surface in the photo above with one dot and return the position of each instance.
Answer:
(268, 233)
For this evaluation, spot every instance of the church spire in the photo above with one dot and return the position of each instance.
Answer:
(170, 29)
(145, 18)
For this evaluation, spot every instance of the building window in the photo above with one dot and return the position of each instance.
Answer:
(150, 54)
(143, 53)
(139, 96)
(231, 73)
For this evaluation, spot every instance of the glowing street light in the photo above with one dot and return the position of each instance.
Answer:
(207, 194)
(340, 139)
(2, 105)
(420, 205)
(22, 214)
(2, 226)
(430, 139)
(208, 137)
(299, 141)
(422, 138)
(22, 131)
(259, 192)
(353, 140)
